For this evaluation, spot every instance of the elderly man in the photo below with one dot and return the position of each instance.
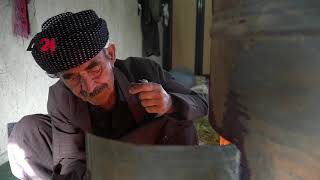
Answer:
(130, 100)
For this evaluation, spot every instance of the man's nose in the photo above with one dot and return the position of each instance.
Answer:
(87, 83)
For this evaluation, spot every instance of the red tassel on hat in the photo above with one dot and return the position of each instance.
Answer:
(21, 19)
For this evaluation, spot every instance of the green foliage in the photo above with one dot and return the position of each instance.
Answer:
(205, 132)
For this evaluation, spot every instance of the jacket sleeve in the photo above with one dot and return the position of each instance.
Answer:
(188, 104)
(68, 142)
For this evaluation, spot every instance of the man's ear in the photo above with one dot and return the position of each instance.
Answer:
(111, 50)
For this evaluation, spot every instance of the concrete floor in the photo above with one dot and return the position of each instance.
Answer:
(5, 173)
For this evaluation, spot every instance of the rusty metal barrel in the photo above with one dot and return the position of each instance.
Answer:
(265, 85)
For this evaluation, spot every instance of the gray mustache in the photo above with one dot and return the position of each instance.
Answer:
(94, 92)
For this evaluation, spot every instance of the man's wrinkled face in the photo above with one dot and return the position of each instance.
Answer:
(92, 81)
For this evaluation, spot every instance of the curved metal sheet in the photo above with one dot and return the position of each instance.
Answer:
(264, 89)
(108, 159)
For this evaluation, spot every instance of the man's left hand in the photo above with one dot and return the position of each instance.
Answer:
(153, 97)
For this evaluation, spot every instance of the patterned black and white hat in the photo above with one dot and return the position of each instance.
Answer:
(68, 40)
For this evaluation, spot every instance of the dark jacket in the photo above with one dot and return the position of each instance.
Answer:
(71, 119)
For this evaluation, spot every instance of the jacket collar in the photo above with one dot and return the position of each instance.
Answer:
(135, 107)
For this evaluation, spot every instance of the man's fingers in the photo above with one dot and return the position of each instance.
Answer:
(150, 95)
(151, 102)
(142, 87)
(153, 109)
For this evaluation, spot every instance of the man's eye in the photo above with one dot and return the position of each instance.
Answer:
(95, 70)
(73, 79)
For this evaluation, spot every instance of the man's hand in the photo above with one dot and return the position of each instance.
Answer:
(153, 97)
